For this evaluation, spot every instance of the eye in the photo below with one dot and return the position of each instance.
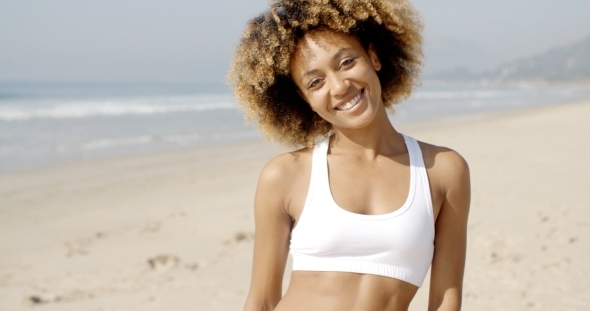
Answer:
(347, 62)
(313, 83)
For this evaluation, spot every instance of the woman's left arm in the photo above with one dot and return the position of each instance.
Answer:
(448, 263)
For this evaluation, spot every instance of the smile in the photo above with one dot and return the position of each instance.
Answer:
(351, 103)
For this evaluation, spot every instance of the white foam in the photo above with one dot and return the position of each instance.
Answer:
(15, 111)
(179, 139)
(440, 95)
(108, 143)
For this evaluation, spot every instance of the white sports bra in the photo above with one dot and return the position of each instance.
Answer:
(399, 244)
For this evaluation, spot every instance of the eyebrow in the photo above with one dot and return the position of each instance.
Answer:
(334, 57)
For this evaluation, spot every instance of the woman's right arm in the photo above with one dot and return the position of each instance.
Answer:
(271, 239)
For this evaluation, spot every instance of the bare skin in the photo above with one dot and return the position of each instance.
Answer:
(369, 173)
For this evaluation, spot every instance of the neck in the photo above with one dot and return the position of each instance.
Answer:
(377, 138)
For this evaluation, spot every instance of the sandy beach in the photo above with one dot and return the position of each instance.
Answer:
(173, 230)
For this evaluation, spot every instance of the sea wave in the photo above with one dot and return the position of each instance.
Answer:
(178, 139)
(23, 110)
(126, 141)
(442, 95)
(68, 109)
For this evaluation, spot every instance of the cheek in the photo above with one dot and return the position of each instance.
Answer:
(321, 108)
(374, 82)
(317, 107)
(317, 100)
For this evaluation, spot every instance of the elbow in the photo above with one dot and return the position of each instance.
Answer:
(447, 302)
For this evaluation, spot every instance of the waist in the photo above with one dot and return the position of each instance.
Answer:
(309, 290)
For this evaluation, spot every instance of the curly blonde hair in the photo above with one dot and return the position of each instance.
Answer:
(260, 76)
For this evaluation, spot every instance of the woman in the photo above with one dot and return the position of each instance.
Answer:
(363, 209)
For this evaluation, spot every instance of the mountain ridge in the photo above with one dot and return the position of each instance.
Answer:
(563, 64)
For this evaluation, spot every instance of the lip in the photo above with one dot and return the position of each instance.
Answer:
(349, 98)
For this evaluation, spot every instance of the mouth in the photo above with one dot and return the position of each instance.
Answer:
(351, 103)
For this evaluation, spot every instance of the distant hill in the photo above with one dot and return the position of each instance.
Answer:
(565, 64)
(443, 54)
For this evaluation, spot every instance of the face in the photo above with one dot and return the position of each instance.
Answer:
(337, 77)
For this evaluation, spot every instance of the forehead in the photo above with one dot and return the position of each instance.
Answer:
(318, 42)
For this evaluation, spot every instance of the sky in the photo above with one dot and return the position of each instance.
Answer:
(182, 41)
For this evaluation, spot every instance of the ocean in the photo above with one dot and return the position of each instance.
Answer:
(52, 123)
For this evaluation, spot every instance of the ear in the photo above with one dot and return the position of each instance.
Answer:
(372, 52)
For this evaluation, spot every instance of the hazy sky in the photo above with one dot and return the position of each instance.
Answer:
(189, 41)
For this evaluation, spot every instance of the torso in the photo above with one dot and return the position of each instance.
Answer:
(361, 187)
(337, 291)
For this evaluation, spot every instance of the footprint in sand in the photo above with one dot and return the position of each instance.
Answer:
(243, 236)
(80, 246)
(151, 226)
(238, 237)
(163, 262)
(166, 262)
(46, 298)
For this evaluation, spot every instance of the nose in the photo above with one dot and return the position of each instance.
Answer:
(340, 85)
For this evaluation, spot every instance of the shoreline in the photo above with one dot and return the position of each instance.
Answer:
(410, 125)
(85, 129)
(524, 83)
(173, 229)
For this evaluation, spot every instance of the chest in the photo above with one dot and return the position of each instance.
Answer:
(373, 187)
(376, 189)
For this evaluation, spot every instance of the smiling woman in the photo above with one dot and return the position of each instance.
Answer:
(326, 62)
(261, 73)
(364, 210)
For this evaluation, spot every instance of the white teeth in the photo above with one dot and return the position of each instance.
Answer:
(351, 103)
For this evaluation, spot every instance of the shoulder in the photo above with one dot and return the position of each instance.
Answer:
(285, 166)
(446, 166)
(283, 177)
(442, 157)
